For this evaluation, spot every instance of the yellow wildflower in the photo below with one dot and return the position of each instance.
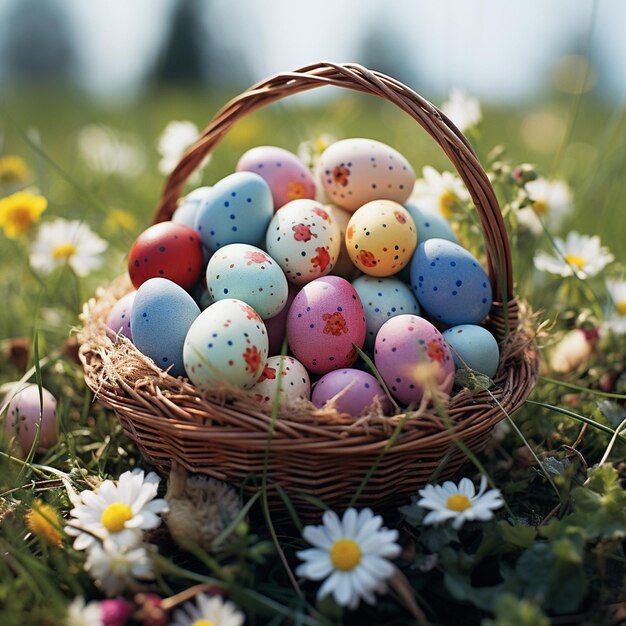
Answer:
(19, 211)
(13, 169)
(43, 520)
(118, 219)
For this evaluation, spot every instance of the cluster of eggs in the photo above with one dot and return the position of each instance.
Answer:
(258, 259)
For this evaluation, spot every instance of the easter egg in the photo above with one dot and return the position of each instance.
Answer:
(381, 237)
(450, 284)
(286, 176)
(277, 326)
(227, 343)
(284, 377)
(343, 265)
(161, 315)
(237, 209)
(187, 209)
(118, 319)
(166, 250)
(31, 417)
(430, 224)
(474, 347)
(244, 272)
(404, 343)
(325, 318)
(357, 390)
(304, 240)
(357, 171)
(383, 298)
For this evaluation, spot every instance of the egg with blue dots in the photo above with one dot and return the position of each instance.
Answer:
(284, 380)
(227, 343)
(473, 347)
(304, 239)
(382, 299)
(287, 177)
(430, 224)
(350, 391)
(403, 344)
(161, 315)
(118, 319)
(187, 209)
(324, 320)
(247, 273)
(449, 283)
(237, 209)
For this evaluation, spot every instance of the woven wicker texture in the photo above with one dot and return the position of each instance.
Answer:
(309, 451)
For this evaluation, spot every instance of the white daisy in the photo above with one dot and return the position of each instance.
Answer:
(460, 503)
(208, 610)
(352, 554)
(67, 242)
(439, 192)
(174, 140)
(551, 203)
(123, 510)
(115, 567)
(80, 613)
(309, 151)
(580, 255)
(462, 109)
(617, 320)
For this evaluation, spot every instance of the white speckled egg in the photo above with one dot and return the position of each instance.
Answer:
(474, 347)
(450, 284)
(357, 171)
(226, 343)
(119, 315)
(161, 315)
(187, 210)
(358, 390)
(304, 240)
(286, 175)
(430, 224)
(237, 209)
(244, 272)
(383, 298)
(291, 378)
(26, 412)
(381, 237)
(403, 343)
(325, 318)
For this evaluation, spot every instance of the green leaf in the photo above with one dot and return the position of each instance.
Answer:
(512, 611)
(474, 381)
(519, 535)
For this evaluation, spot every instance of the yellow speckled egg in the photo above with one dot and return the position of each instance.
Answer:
(381, 237)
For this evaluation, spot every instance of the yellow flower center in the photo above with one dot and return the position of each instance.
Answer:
(115, 516)
(447, 201)
(540, 207)
(203, 622)
(621, 307)
(43, 520)
(345, 554)
(63, 251)
(576, 261)
(458, 502)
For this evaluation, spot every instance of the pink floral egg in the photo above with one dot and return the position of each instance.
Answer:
(282, 376)
(402, 344)
(324, 321)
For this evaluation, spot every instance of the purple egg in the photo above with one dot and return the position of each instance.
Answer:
(119, 316)
(358, 390)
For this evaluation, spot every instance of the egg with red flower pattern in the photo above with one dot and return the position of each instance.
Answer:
(283, 377)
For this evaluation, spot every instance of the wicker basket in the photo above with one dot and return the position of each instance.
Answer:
(313, 452)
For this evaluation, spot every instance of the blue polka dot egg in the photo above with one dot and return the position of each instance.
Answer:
(449, 283)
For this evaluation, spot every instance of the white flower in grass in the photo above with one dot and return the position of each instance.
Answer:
(352, 554)
(439, 192)
(579, 255)
(67, 242)
(208, 611)
(551, 203)
(459, 503)
(80, 613)
(617, 320)
(121, 510)
(172, 144)
(463, 109)
(116, 567)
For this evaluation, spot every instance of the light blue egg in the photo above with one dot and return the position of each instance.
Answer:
(382, 299)
(160, 318)
(449, 283)
(430, 224)
(187, 210)
(237, 209)
(474, 347)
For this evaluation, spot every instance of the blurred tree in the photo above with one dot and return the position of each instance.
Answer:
(37, 46)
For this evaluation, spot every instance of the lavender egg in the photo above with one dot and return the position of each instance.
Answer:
(119, 316)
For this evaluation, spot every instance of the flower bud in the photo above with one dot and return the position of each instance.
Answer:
(115, 611)
(573, 351)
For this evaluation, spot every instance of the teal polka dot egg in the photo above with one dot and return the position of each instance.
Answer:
(382, 299)
(247, 273)
(474, 347)
(430, 224)
(449, 283)
(227, 343)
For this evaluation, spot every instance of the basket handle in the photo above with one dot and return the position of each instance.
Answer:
(358, 78)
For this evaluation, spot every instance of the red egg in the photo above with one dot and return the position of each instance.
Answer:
(166, 250)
